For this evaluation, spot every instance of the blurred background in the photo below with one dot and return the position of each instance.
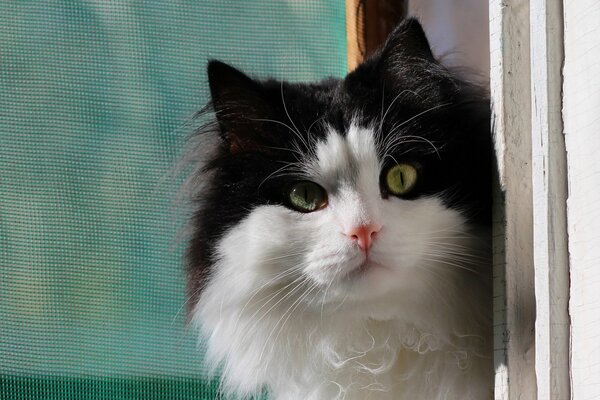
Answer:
(96, 99)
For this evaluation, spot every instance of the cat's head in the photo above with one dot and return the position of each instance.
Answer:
(342, 189)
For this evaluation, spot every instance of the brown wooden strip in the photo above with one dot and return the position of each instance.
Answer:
(368, 23)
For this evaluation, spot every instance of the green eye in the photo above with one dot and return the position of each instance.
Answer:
(306, 196)
(401, 179)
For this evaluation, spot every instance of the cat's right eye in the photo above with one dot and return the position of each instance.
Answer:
(306, 196)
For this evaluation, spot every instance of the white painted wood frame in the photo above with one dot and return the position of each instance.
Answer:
(549, 184)
(581, 116)
(514, 301)
(531, 258)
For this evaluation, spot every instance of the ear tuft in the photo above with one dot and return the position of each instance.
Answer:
(408, 42)
(407, 63)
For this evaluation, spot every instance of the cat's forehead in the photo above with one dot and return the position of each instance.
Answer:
(345, 157)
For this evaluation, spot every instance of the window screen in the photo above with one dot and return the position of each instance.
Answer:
(95, 102)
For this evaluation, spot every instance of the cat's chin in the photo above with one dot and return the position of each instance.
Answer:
(364, 270)
(368, 282)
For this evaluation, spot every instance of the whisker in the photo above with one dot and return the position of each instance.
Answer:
(289, 313)
(275, 122)
(288, 294)
(185, 303)
(390, 106)
(271, 175)
(293, 151)
(460, 266)
(324, 298)
(309, 130)
(404, 123)
(256, 291)
(271, 297)
(283, 257)
(290, 118)
(296, 133)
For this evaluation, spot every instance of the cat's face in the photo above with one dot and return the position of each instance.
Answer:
(361, 241)
(345, 190)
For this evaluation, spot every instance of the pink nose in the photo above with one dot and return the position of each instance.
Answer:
(363, 235)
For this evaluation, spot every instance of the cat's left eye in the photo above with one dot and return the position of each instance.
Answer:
(306, 196)
(401, 179)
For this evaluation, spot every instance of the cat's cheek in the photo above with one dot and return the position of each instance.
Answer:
(260, 246)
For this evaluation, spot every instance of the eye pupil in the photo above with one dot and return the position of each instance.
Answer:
(401, 179)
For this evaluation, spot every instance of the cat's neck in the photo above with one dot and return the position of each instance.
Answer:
(375, 359)
(356, 349)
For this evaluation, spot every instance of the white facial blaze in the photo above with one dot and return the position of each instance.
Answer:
(349, 167)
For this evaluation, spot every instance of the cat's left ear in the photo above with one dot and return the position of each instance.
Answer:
(240, 105)
(407, 62)
(407, 44)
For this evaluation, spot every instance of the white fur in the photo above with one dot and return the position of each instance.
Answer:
(288, 307)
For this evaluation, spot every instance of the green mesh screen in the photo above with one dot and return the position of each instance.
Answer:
(94, 100)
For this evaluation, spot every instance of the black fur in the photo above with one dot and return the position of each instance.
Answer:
(418, 96)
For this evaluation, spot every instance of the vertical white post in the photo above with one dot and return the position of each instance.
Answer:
(581, 116)
(514, 302)
(549, 182)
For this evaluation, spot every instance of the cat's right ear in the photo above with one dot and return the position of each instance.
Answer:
(240, 105)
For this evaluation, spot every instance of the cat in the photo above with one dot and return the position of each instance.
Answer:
(340, 244)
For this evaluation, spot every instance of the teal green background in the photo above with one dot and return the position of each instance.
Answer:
(96, 99)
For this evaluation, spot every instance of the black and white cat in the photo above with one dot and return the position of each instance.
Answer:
(340, 245)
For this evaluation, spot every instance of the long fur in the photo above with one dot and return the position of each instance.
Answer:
(285, 300)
